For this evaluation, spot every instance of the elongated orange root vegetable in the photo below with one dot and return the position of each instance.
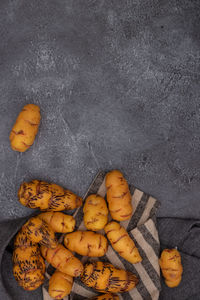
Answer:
(122, 243)
(47, 196)
(60, 285)
(95, 212)
(170, 263)
(62, 260)
(86, 243)
(38, 231)
(104, 277)
(108, 296)
(118, 196)
(58, 221)
(25, 128)
(28, 264)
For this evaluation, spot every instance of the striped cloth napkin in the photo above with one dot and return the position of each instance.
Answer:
(142, 229)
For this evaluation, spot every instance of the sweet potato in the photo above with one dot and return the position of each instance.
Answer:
(28, 264)
(20, 252)
(95, 212)
(118, 196)
(58, 221)
(122, 243)
(29, 276)
(170, 263)
(62, 260)
(47, 196)
(60, 285)
(25, 128)
(38, 231)
(104, 277)
(86, 243)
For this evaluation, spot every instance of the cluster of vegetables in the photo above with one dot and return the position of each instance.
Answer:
(36, 240)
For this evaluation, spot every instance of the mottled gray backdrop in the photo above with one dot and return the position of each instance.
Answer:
(118, 86)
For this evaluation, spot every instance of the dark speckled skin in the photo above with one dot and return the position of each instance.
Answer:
(118, 87)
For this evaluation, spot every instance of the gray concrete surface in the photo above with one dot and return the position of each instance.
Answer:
(118, 87)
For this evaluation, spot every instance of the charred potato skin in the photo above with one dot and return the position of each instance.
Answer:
(28, 264)
(104, 277)
(38, 231)
(47, 196)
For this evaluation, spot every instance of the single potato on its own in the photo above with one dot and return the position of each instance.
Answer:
(25, 128)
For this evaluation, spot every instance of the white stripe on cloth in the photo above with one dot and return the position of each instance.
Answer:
(148, 250)
(146, 213)
(102, 189)
(80, 290)
(120, 296)
(47, 275)
(144, 277)
(155, 295)
(114, 259)
(150, 226)
(136, 197)
(45, 294)
(82, 226)
(135, 294)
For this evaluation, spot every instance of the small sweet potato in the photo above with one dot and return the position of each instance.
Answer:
(60, 285)
(104, 277)
(25, 128)
(118, 196)
(58, 221)
(86, 243)
(170, 263)
(62, 260)
(47, 196)
(95, 212)
(122, 243)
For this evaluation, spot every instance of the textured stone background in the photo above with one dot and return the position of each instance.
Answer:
(118, 87)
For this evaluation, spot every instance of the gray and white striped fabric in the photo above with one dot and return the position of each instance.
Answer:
(142, 229)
